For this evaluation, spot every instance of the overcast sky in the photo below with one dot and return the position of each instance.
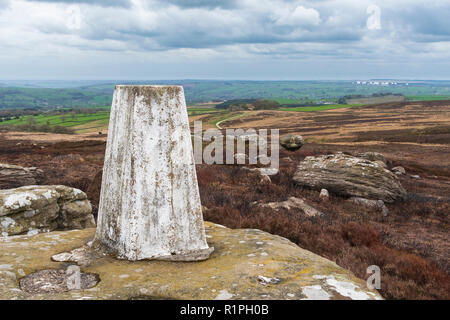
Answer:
(224, 39)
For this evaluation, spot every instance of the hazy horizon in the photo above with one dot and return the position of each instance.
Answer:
(222, 79)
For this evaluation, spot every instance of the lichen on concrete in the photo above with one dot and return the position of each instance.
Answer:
(150, 204)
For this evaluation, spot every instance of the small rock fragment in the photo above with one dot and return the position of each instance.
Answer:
(266, 280)
(292, 142)
(398, 170)
(265, 179)
(324, 195)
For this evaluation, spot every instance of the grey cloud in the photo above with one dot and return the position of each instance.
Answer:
(203, 23)
(102, 3)
(430, 21)
(211, 24)
(204, 3)
(197, 27)
(4, 4)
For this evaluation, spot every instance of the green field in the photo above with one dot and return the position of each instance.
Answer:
(427, 98)
(289, 101)
(81, 122)
(74, 123)
(321, 108)
(59, 120)
(199, 111)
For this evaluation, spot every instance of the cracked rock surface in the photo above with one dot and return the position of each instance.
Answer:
(349, 176)
(12, 176)
(246, 264)
(36, 209)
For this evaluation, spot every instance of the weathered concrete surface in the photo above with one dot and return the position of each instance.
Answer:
(350, 176)
(16, 176)
(35, 209)
(244, 265)
(149, 202)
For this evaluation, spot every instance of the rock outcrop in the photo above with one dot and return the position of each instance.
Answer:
(292, 142)
(246, 264)
(372, 156)
(35, 209)
(349, 176)
(374, 204)
(292, 203)
(16, 176)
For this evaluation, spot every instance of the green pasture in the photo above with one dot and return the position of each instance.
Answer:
(200, 111)
(427, 98)
(64, 120)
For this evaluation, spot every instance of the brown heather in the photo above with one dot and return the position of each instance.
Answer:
(353, 237)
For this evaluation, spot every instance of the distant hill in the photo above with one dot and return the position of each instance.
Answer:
(22, 98)
(74, 94)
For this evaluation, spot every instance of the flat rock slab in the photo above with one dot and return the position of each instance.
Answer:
(16, 176)
(246, 264)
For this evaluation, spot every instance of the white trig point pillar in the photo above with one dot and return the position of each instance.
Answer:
(150, 204)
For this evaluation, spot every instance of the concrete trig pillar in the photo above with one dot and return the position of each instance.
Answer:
(150, 204)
